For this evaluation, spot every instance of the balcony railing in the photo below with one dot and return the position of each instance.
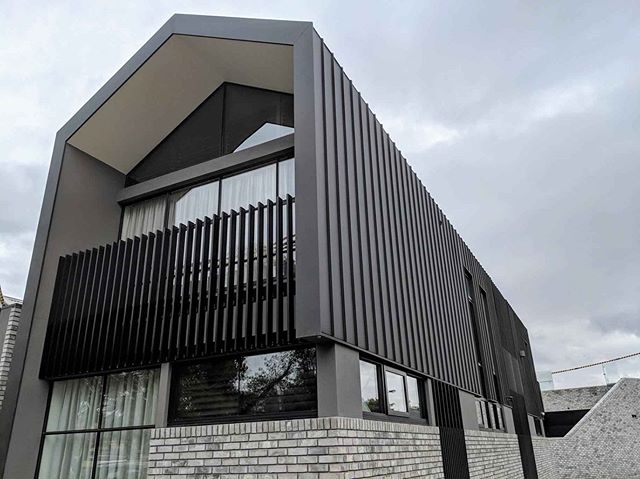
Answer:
(221, 284)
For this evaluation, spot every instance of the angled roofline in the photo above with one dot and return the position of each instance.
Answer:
(282, 32)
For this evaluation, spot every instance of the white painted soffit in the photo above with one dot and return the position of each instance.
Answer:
(169, 86)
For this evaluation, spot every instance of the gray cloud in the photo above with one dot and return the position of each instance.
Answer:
(520, 118)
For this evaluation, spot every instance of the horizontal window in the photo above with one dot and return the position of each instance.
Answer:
(274, 384)
(258, 185)
(98, 427)
(403, 394)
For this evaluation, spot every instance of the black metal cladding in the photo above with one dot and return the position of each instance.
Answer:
(395, 269)
(186, 292)
(394, 273)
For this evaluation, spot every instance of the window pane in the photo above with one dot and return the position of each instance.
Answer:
(267, 132)
(395, 392)
(75, 404)
(143, 217)
(279, 382)
(369, 387)
(67, 456)
(207, 389)
(194, 203)
(414, 397)
(131, 398)
(287, 178)
(248, 188)
(123, 454)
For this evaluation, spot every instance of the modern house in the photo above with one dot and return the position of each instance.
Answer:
(237, 273)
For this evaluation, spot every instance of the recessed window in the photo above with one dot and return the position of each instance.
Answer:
(232, 118)
(99, 427)
(390, 391)
(489, 414)
(396, 398)
(369, 387)
(264, 385)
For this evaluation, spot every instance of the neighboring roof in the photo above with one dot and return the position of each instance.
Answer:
(574, 399)
(8, 300)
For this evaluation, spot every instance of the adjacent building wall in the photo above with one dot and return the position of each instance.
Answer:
(573, 399)
(603, 445)
(9, 323)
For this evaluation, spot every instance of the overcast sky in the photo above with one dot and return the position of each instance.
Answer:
(521, 118)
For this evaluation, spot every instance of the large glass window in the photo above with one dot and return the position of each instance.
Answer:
(232, 192)
(99, 427)
(232, 118)
(264, 385)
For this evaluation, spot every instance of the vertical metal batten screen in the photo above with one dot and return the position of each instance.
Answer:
(449, 420)
(221, 284)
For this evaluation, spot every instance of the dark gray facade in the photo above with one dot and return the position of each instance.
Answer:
(379, 270)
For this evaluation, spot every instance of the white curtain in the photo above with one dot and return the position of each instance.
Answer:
(194, 203)
(123, 454)
(75, 404)
(248, 188)
(130, 399)
(144, 217)
(286, 178)
(67, 456)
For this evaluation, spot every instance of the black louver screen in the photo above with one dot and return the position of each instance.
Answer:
(219, 285)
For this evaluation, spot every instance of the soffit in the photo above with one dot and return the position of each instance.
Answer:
(169, 86)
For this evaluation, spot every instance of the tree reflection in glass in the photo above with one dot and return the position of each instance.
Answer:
(263, 384)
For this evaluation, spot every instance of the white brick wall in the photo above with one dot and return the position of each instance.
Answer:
(305, 448)
(8, 344)
(493, 454)
(605, 444)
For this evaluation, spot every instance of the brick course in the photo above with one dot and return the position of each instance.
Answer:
(305, 448)
(492, 454)
(8, 345)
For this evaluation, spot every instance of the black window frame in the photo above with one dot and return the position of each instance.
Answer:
(386, 413)
(173, 421)
(98, 430)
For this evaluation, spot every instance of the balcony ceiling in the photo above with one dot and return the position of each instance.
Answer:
(169, 86)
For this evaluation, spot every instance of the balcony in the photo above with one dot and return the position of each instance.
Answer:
(218, 285)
